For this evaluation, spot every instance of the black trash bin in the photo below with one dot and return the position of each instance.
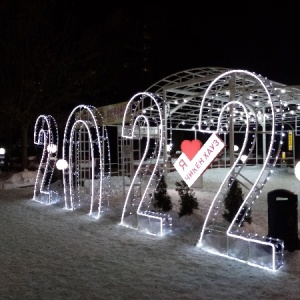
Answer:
(283, 218)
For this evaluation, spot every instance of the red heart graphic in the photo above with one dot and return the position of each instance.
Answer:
(191, 148)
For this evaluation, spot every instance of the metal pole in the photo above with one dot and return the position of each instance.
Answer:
(264, 133)
(231, 123)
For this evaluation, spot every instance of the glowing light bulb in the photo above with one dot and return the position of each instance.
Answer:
(297, 170)
(52, 148)
(62, 164)
(243, 158)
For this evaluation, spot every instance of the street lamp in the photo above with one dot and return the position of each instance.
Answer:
(297, 170)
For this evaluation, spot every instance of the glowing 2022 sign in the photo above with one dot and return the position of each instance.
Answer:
(46, 135)
(233, 241)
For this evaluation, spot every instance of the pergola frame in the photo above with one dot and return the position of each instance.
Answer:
(224, 101)
(183, 92)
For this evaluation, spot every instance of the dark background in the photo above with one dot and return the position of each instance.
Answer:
(55, 55)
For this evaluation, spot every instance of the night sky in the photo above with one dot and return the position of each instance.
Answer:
(257, 36)
(262, 37)
(249, 35)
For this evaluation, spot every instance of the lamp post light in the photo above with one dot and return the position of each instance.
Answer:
(62, 164)
(297, 170)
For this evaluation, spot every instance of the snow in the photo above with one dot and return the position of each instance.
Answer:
(48, 252)
(17, 180)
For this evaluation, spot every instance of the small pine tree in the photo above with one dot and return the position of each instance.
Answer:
(233, 202)
(161, 199)
(188, 202)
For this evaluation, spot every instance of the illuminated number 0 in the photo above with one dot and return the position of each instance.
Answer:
(80, 140)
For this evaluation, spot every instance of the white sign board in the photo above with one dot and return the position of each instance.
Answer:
(190, 170)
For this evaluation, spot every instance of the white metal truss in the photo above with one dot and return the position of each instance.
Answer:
(183, 92)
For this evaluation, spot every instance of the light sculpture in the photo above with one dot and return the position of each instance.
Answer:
(232, 240)
(137, 212)
(87, 183)
(46, 135)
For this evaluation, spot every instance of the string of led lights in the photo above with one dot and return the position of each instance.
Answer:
(46, 135)
(86, 179)
(183, 92)
(138, 211)
(240, 244)
(205, 100)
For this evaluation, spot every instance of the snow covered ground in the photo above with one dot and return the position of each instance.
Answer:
(48, 252)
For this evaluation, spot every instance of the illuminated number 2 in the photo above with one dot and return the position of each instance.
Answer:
(234, 241)
(141, 128)
(46, 134)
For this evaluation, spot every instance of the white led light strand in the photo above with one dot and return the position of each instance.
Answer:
(263, 252)
(140, 214)
(46, 135)
(82, 138)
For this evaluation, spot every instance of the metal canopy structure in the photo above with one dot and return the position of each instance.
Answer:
(183, 93)
(213, 101)
(223, 102)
